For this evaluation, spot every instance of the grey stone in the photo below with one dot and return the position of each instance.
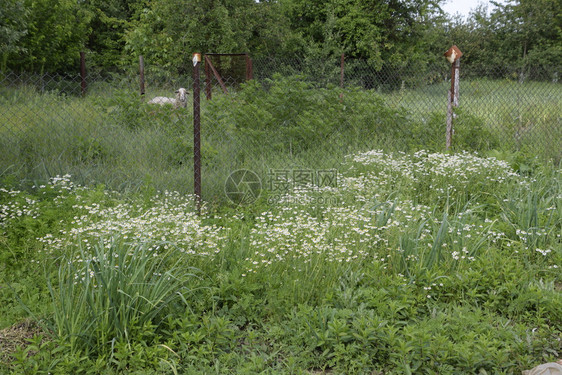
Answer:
(545, 369)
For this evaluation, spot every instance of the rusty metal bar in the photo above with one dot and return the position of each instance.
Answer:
(226, 54)
(197, 136)
(249, 68)
(216, 74)
(455, 82)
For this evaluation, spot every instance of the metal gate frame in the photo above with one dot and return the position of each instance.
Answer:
(210, 68)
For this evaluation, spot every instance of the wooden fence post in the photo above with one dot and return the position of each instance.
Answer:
(453, 55)
(453, 102)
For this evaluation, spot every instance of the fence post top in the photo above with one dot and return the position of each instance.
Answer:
(453, 54)
(196, 58)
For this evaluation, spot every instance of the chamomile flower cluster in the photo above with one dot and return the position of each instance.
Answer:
(431, 176)
(17, 205)
(169, 220)
(399, 210)
(365, 220)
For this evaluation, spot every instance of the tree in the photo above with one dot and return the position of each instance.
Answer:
(530, 31)
(13, 26)
(168, 32)
(109, 22)
(516, 35)
(386, 32)
(56, 33)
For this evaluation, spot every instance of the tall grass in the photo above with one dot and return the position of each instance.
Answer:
(107, 297)
(533, 213)
(111, 137)
(521, 116)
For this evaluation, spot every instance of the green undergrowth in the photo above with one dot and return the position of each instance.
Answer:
(410, 263)
(112, 137)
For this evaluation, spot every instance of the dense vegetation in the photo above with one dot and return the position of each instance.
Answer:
(411, 263)
(519, 33)
(110, 137)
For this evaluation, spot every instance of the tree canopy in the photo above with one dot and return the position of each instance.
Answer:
(46, 35)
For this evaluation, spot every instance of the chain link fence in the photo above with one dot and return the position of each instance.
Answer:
(266, 115)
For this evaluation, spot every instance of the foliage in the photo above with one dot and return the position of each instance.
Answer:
(12, 29)
(307, 114)
(168, 32)
(423, 262)
(382, 32)
(108, 23)
(105, 298)
(470, 132)
(530, 31)
(56, 33)
(516, 35)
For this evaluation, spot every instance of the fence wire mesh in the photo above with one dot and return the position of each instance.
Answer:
(268, 116)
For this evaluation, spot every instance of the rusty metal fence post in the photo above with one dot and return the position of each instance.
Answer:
(249, 68)
(196, 131)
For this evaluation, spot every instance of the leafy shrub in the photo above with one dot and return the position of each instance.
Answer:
(289, 114)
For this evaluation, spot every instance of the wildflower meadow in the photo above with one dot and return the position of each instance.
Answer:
(409, 263)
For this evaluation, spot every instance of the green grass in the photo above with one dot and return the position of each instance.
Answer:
(111, 137)
(414, 263)
(110, 295)
(522, 116)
